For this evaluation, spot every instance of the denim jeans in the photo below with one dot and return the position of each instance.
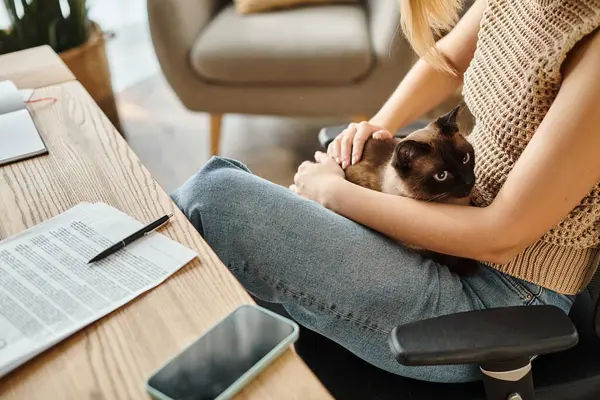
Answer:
(332, 275)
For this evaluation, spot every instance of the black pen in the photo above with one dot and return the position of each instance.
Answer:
(132, 238)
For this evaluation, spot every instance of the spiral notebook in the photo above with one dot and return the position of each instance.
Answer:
(19, 137)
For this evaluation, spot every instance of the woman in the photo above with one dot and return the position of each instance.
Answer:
(327, 250)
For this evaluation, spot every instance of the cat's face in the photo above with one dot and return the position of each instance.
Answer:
(437, 162)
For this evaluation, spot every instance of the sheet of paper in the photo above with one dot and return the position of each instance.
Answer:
(47, 289)
(11, 99)
(19, 137)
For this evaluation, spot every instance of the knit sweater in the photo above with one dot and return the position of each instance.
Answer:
(511, 83)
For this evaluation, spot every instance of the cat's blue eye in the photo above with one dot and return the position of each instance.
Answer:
(466, 158)
(441, 176)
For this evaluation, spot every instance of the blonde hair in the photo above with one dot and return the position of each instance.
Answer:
(423, 21)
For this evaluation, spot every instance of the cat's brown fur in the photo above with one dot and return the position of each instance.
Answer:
(369, 171)
(405, 167)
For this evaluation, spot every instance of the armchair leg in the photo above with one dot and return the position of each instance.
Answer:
(216, 121)
(509, 380)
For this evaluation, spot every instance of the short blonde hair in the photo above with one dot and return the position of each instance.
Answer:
(424, 20)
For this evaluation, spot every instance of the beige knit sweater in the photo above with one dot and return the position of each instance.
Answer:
(509, 87)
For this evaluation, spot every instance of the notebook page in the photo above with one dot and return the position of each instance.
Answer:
(47, 289)
(11, 99)
(19, 137)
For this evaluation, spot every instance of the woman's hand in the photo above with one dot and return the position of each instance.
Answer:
(347, 147)
(314, 179)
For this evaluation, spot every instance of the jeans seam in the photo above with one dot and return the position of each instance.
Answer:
(285, 288)
(526, 295)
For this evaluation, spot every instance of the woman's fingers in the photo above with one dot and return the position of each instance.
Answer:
(362, 134)
(294, 189)
(322, 158)
(304, 164)
(347, 148)
(346, 145)
(296, 185)
(335, 148)
(382, 135)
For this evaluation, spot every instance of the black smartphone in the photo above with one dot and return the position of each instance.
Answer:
(226, 358)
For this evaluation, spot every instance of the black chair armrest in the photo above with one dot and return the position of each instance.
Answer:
(328, 133)
(484, 336)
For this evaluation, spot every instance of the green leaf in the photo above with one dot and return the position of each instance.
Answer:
(12, 10)
(52, 36)
(43, 23)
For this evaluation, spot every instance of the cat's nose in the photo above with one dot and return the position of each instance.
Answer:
(470, 181)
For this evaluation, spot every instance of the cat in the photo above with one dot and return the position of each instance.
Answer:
(435, 163)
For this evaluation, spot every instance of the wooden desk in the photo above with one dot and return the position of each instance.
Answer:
(34, 68)
(112, 359)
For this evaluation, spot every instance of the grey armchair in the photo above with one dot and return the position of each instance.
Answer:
(332, 60)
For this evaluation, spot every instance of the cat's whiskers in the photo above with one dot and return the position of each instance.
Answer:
(434, 198)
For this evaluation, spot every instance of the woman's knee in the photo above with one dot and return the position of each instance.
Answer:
(210, 188)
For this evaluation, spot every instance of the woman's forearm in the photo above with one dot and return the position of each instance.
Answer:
(421, 90)
(461, 231)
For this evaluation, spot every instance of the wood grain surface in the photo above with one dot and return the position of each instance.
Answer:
(112, 359)
(34, 68)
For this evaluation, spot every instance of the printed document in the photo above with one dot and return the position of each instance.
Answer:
(48, 291)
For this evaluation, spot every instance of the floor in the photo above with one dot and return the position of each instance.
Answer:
(173, 142)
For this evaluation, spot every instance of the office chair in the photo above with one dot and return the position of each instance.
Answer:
(502, 341)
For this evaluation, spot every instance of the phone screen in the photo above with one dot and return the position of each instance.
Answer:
(216, 360)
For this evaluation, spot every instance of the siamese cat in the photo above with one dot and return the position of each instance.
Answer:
(435, 163)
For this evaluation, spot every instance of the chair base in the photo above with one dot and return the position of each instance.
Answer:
(509, 380)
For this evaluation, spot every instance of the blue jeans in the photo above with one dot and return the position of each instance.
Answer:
(335, 276)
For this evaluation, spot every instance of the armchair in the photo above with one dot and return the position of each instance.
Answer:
(331, 60)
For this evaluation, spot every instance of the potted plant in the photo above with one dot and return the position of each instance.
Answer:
(78, 41)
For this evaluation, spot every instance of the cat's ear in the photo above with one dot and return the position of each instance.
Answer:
(408, 150)
(448, 123)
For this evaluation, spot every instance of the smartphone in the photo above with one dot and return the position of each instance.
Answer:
(226, 358)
